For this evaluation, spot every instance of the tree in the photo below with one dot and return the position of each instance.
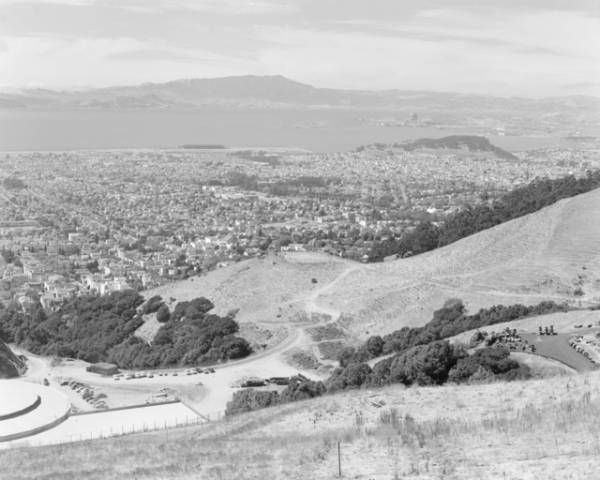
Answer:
(249, 399)
(374, 346)
(352, 376)
(494, 360)
(103, 329)
(163, 314)
(235, 347)
(92, 266)
(301, 388)
(424, 364)
(380, 373)
(153, 304)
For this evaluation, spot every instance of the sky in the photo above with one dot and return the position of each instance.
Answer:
(499, 47)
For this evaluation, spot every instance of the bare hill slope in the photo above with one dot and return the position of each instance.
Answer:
(553, 254)
(267, 290)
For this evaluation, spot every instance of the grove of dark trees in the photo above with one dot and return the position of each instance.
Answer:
(448, 321)
(432, 364)
(421, 356)
(474, 218)
(102, 328)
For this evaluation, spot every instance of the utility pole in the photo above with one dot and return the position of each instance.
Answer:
(56, 256)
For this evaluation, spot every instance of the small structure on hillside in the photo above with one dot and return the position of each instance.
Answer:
(103, 368)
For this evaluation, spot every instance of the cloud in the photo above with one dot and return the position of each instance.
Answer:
(525, 47)
(540, 33)
(48, 2)
(231, 7)
(368, 60)
(164, 53)
(54, 62)
(444, 36)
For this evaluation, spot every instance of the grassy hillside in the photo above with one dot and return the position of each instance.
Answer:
(522, 430)
(266, 290)
(553, 254)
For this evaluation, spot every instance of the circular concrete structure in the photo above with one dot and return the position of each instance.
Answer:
(29, 408)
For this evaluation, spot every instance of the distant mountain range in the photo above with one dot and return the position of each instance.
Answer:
(271, 92)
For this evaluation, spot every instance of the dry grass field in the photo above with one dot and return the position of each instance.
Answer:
(533, 429)
(553, 254)
(266, 290)
(546, 255)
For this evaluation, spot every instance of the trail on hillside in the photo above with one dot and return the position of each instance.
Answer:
(311, 302)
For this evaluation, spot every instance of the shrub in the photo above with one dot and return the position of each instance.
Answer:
(380, 373)
(424, 364)
(352, 376)
(249, 399)
(374, 346)
(301, 388)
(234, 347)
(153, 304)
(163, 314)
(494, 360)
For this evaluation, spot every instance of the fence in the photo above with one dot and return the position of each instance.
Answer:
(16, 436)
(95, 432)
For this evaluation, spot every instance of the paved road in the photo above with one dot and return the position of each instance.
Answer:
(557, 347)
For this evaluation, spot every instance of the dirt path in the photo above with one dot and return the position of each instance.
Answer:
(311, 301)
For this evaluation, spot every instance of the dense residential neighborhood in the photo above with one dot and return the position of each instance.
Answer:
(104, 221)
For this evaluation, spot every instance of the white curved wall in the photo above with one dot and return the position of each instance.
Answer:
(25, 415)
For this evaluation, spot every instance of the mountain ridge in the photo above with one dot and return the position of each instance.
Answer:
(272, 91)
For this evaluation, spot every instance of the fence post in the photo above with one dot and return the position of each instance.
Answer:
(339, 461)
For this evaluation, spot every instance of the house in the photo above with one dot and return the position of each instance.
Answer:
(103, 368)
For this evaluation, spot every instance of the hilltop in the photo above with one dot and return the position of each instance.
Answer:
(276, 91)
(552, 254)
(472, 143)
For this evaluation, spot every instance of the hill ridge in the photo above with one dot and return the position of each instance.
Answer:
(271, 91)
(525, 260)
(473, 143)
